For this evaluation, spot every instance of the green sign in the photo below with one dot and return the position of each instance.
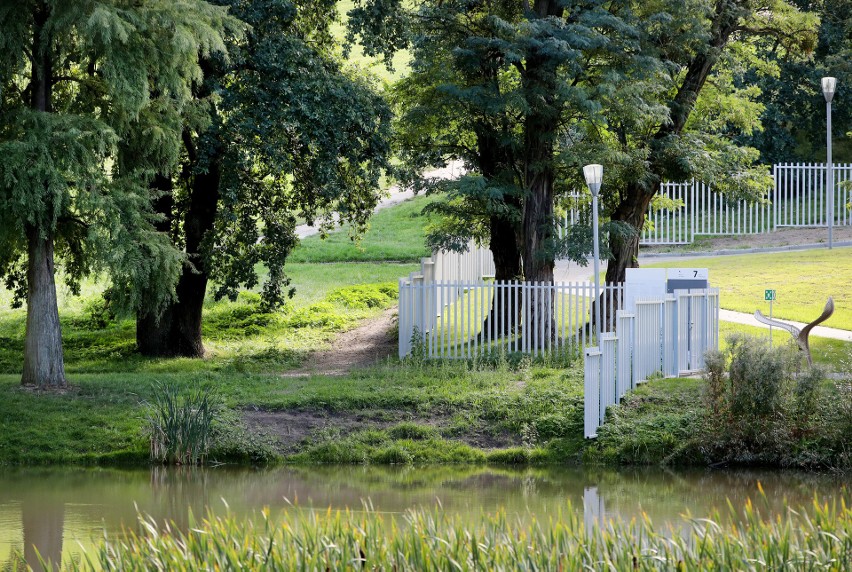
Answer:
(769, 295)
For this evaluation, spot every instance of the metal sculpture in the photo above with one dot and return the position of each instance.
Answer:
(801, 336)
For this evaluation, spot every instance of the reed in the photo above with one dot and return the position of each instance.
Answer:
(179, 425)
(819, 537)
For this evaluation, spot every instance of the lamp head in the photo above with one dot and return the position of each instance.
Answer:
(594, 177)
(829, 86)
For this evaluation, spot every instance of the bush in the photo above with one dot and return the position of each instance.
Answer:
(319, 315)
(365, 296)
(757, 411)
(757, 375)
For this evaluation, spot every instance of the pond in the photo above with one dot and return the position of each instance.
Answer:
(64, 511)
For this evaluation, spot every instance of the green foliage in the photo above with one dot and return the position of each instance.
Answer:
(815, 537)
(287, 143)
(179, 426)
(794, 105)
(757, 375)
(366, 296)
(758, 412)
(397, 233)
(112, 68)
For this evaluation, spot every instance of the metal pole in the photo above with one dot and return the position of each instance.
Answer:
(830, 176)
(597, 256)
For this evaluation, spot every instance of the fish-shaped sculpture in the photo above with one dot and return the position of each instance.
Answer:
(801, 336)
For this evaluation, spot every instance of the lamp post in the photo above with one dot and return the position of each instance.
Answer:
(829, 85)
(594, 177)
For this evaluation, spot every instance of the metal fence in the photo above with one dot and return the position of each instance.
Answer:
(465, 319)
(798, 198)
(666, 337)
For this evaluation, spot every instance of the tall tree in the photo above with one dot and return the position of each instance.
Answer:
(794, 118)
(501, 86)
(74, 77)
(281, 130)
(702, 40)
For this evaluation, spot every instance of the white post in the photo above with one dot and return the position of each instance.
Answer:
(829, 85)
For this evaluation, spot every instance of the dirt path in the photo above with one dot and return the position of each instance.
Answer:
(369, 343)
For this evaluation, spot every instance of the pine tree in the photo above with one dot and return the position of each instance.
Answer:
(75, 79)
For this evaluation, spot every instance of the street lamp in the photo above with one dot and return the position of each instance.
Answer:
(594, 177)
(829, 86)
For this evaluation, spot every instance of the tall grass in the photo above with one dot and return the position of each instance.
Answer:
(179, 425)
(816, 538)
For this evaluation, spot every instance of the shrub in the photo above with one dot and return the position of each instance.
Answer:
(757, 376)
(757, 412)
(179, 426)
(319, 315)
(365, 296)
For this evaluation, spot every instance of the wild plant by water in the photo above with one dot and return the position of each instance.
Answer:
(819, 537)
(179, 425)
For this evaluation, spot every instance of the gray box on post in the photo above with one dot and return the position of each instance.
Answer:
(686, 279)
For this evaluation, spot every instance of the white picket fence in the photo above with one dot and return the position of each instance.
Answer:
(476, 263)
(798, 198)
(665, 337)
(450, 319)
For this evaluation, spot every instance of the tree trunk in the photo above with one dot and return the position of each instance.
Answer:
(44, 365)
(177, 332)
(507, 266)
(152, 331)
(503, 239)
(540, 126)
(625, 249)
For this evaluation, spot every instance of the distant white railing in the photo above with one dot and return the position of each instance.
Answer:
(798, 198)
(458, 319)
(476, 263)
(666, 337)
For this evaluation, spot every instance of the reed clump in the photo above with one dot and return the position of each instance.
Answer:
(819, 537)
(179, 425)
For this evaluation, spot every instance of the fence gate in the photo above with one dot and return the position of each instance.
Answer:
(665, 337)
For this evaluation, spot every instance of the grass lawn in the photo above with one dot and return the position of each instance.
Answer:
(396, 233)
(803, 281)
(237, 335)
(413, 413)
(834, 355)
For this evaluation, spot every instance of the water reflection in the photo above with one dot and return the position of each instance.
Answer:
(58, 510)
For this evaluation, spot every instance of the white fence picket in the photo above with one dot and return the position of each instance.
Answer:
(672, 334)
(591, 387)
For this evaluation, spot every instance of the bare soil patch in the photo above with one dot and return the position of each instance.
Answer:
(292, 429)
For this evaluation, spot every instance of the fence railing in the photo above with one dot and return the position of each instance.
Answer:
(666, 338)
(458, 319)
(798, 198)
